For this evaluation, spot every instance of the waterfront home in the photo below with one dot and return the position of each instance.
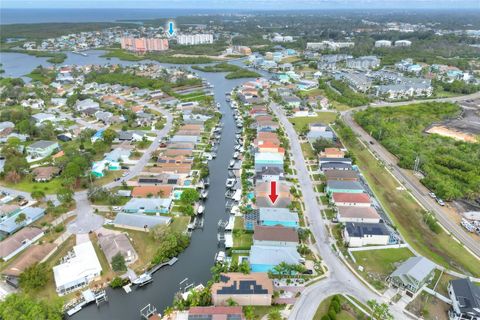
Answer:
(361, 234)
(78, 270)
(265, 258)
(148, 206)
(11, 222)
(343, 175)
(268, 174)
(163, 178)
(214, 313)
(412, 274)
(161, 191)
(357, 214)
(117, 243)
(254, 289)
(18, 242)
(265, 125)
(36, 253)
(278, 217)
(179, 168)
(465, 298)
(264, 137)
(42, 149)
(139, 222)
(195, 118)
(278, 236)
(268, 159)
(185, 139)
(343, 187)
(270, 147)
(42, 174)
(341, 199)
(262, 192)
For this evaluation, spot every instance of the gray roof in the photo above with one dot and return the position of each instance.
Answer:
(42, 144)
(417, 268)
(140, 220)
(277, 214)
(361, 229)
(336, 165)
(467, 295)
(345, 185)
(272, 255)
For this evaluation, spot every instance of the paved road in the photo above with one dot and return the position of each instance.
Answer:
(340, 278)
(414, 185)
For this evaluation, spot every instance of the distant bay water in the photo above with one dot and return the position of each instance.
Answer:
(21, 16)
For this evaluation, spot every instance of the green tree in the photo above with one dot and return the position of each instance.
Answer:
(380, 311)
(249, 312)
(65, 195)
(38, 195)
(109, 135)
(19, 306)
(118, 263)
(116, 282)
(20, 218)
(274, 315)
(34, 277)
(189, 196)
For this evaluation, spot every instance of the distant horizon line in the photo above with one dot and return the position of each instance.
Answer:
(252, 9)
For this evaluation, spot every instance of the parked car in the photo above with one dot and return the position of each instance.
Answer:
(432, 195)
(440, 202)
(23, 202)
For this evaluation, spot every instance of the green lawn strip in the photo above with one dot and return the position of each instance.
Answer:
(307, 150)
(378, 264)
(242, 240)
(50, 187)
(407, 216)
(348, 310)
(323, 117)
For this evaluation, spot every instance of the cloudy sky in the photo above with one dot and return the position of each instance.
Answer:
(241, 4)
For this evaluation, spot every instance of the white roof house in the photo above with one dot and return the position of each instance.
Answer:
(79, 269)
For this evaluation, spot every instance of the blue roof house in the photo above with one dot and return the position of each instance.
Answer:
(265, 258)
(343, 187)
(268, 159)
(8, 225)
(278, 217)
(152, 206)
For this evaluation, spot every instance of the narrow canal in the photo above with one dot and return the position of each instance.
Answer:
(195, 262)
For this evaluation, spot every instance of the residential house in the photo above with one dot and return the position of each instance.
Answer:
(262, 192)
(343, 187)
(117, 243)
(82, 105)
(350, 199)
(332, 153)
(357, 214)
(278, 236)
(254, 289)
(319, 131)
(326, 166)
(214, 313)
(13, 222)
(18, 242)
(265, 258)
(81, 268)
(139, 222)
(148, 206)
(465, 298)
(42, 174)
(161, 191)
(40, 118)
(42, 149)
(344, 175)
(268, 174)
(412, 274)
(361, 234)
(278, 217)
(268, 159)
(292, 101)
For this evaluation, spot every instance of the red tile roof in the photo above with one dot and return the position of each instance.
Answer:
(351, 197)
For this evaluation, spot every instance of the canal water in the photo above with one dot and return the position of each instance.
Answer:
(195, 262)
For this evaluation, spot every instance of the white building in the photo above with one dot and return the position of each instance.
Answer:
(403, 43)
(383, 43)
(365, 234)
(193, 39)
(80, 268)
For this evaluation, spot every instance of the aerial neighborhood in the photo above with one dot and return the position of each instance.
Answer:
(241, 166)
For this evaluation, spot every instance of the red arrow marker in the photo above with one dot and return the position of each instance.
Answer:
(273, 192)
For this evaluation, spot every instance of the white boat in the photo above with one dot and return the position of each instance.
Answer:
(204, 194)
(236, 154)
(232, 163)
(220, 257)
(143, 279)
(200, 209)
(230, 182)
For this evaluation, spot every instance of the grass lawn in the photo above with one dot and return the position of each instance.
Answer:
(378, 264)
(242, 240)
(238, 224)
(261, 311)
(108, 177)
(324, 117)
(442, 283)
(50, 187)
(339, 106)
(429, 307)
(107, 272)
(406, 214)
(348, 311)
(307, 150)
